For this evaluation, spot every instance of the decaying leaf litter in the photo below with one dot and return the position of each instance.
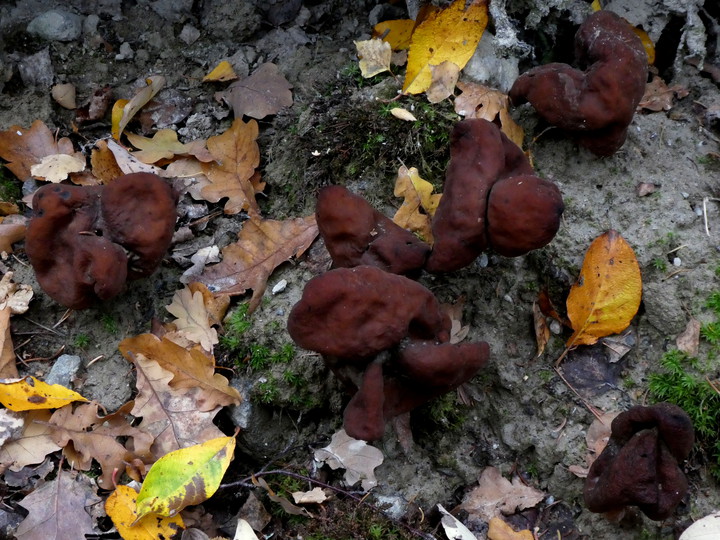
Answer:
(499, 295)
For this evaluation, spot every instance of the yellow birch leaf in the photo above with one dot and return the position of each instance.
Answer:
(418, 196)
(164, 144)
(121, 115)
(607, 294)
(375, 55)
(29, 394)
(185, 477)
(450, 34)
(121, 507)
(499, 530)
(222, 72)
(397, 33)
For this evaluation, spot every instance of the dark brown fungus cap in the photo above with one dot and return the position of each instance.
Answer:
(85, 242)
(641, 464)
(491, 199)
(356, 313)
(597, 104)
(356, 234)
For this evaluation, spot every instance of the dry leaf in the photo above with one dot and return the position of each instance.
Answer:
(104, 165)
(262, 246)
(124, 110)
(13, 296)
(289, 507)
(11, 425)
(596, 438)
(444, 79)
(478, 101)
(499, 530)
(403, 114)
(238, 155)
(510, 128)
(453, 527)
(449, 34)
(200, 259)
(542, 330)
(689, 340)
(375, 55)
(8, 367)
(33, 444)
(23, 148)
(130, 164)
(8, 208)
(706, 528)
(607, 294)
(659, 97)
(495, 495)
(193, 320)
(9, 234)
(264, 92)
(216, 306)
(59, 508)
(222, 72)
(64, 95)
(397, 33)
(357, 458)
(96, 107)
(164, 144)
(458, 331)
(56, 168)
(419, 203)
(314, 496)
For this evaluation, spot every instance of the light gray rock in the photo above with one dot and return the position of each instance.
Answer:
(56, 25)
(64, 370)
(37, 69)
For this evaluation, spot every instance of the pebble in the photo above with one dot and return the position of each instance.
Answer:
(56, 25)
(64, 370)
(189, 34)
(126, 52)
(37, 69)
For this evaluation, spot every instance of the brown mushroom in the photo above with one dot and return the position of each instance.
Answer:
(596, 103)
(84, 242)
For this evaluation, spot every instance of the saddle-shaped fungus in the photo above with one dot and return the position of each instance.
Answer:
(386, 338)
(85, 242)
(641, 464)
(356, 234)
(597, 104)
(491, 199)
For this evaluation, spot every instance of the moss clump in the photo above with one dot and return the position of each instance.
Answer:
(10, 190)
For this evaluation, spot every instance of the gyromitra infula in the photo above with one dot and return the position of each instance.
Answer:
(641, 464)
(491, 199)
(386, 338)
(85, 242)
(597, 104)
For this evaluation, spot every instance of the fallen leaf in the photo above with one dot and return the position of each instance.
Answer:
(478, 101)
(130, 164)
(449, 34)
(499, 530)
(8, 208)
(96, 437)
(645, 188)
(103, 163)
(59, 508)
(191, 369)
(542, 330)
(403, 114)
(56, 168)
(495, 496)
(11, 426)
(419, 203)
(185, 477)
(262, 245)
(200, 259)
(121, 506)
(458, 331)
(689, 340)
(607, 294)
(706, 528)
(264, 92)
(358, 458)
(375, 55)
(453, 527)
(9, 234)
(22, 148)
(171, 416)
(397, 32)
(647, 44)
(124, 110)
(32, 445)
(510, 128)
(237, 156)
(314, 496)
(222, 72)
(95, 107)
(29, 394)
(164, 144)
(244, 531)
(193, 320)
(8, 367)
(64, 95)
(286, 505)
(444, 78)
(216, 306)
(618, 346)
(659, 97)
(15, 297)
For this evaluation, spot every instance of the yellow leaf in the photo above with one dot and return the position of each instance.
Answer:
(56, 167)
(510, 128)
(397, 33)
(403, 114)
(222, 72)
(647, 44)
(375, 55)
(450, 34)
(29, 394)
(120, 506)
(122, 114)
(185, 477)
(419, 205)
(596, 6)
(163, 145)
(607, 294)
(499, 530)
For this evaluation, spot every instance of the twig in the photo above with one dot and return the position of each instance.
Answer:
(712, 385)
(589, 407)
(63, 318)
(705, 201)
(42, 358)
(43, 326)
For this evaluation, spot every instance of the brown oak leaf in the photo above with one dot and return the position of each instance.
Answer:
(264, 92)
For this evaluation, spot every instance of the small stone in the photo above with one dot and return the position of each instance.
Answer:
(189, 34)
(90, 24)
(677, 261)
(56, 25)
(685, 194)
(64, 370)
(37, 70)
(279, 286)
(555, 327)
(126, 52)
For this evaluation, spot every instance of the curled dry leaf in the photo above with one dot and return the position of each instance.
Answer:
(124, 110)
(104, 165)
(689, 340)
(129, 163)
(314, 496)
(403, 114)
(375, 55)
(542, 329)
(419, 203)
(64, 95)
(14, 296)
(659, 96)
(357, 458)
(8, 367)
(478, 101)
(264, 92)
